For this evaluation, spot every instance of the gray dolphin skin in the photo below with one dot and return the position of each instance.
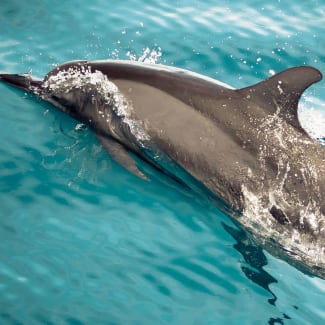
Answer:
(245, 146)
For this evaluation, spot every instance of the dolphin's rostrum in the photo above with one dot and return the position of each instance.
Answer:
(245, 146)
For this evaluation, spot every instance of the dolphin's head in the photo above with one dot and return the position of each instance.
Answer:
(77, 92)
(87, 96)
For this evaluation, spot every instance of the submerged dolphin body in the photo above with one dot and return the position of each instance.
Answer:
(245, 146)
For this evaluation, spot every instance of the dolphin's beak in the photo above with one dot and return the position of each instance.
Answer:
(23, 81)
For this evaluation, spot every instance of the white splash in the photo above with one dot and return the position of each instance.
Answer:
(148, 56)
(282, 145)
(312, 119)
(82, 79)
(256, 218)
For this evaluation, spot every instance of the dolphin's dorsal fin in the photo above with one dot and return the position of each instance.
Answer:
(281, 93)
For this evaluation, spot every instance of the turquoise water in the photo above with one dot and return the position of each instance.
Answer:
(85, 242)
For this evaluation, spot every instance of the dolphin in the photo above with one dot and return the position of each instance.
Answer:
(245, 146)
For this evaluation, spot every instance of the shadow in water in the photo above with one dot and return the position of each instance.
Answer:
(255, 259)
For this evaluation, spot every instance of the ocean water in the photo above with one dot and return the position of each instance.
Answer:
(85, 242)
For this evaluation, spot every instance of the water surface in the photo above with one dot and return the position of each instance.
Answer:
(85, 242)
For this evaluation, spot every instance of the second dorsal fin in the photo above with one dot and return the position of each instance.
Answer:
(281, 93)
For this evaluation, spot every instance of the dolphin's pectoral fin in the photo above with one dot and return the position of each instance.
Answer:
(118, 153)
(280, 94)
